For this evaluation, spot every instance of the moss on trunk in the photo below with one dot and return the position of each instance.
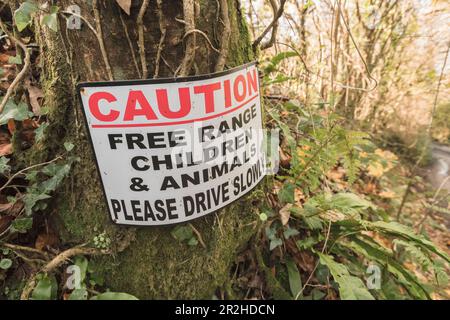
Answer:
(148, 262)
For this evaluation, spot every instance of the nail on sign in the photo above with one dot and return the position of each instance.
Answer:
(172, 150)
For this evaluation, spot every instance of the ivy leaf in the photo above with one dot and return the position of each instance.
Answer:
(5, 264)
(22, 225)
(39, 132)
(350, 287)
(18, 112)
(295, 282)
(4, 167)
(182, 233)
(57, 173)
(68, 146)
(15, 60)
(30, 200)
(290, 232)
(51, 20)
(46, 289)
(276, 242)
(114, 296)
(78, 294)
(82, 263)
(22, 16)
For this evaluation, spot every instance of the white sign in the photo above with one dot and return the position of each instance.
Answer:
(172, 150)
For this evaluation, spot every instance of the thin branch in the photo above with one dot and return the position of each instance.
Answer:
(55, 263)
(199, 235)
(225, 38)
(277, 16)
(27, 62)
(18, 173)
(369, 74)
(100, 39)
(189, 25)
(141, 41)
(130, 44)
(273, 36)
(163, 29)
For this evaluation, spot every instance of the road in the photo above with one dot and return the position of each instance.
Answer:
(439, 171)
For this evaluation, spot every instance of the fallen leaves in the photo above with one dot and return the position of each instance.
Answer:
(125, 5)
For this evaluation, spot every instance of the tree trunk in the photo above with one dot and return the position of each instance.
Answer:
(147, 262)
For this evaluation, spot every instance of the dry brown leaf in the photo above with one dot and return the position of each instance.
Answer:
(125, 5)
(285, 214)
(46, 240)
(11, 126)
(35, 94)
(5, 149)
(5, 222)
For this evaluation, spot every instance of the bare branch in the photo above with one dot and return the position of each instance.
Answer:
(189, 25)
(276, 16)
(163, 29)
(225, 38)
(22, 72)
(140, 25)
(55, 263)
(98, 25)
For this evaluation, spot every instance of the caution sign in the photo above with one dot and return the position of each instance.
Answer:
(172, 150)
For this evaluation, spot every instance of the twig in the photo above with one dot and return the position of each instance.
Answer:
(189, 25)
(369, 74)
(16, 247)
(55, 263)
(100, 39)
(18, 173)
(225, 38)
(22, 73)
(199, 236)
(163, 29)
(130, 44)
(317, 264)
(204, 36)
(276, 16)
(273, 36)
(141, 41)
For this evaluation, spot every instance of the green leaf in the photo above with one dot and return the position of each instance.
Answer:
(4, 167)
(46, 289)
(30, 199)
(18, 112)
(68, 146)
(295, 282)
(182, 233)
(57, 172)
(350, 287)
(290, 232)
(286, 193)
(78, 294)
(193, 241)
(22, 225)
(276, 242)
(22, 16)
(263, 216)
(51, 20)
(15, 60)
(39, 132)
(350, 200)
(5, 263)
(114, 296)
(398, 229)
(82, 263)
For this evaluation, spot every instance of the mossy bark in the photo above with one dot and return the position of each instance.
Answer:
(148, 262)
